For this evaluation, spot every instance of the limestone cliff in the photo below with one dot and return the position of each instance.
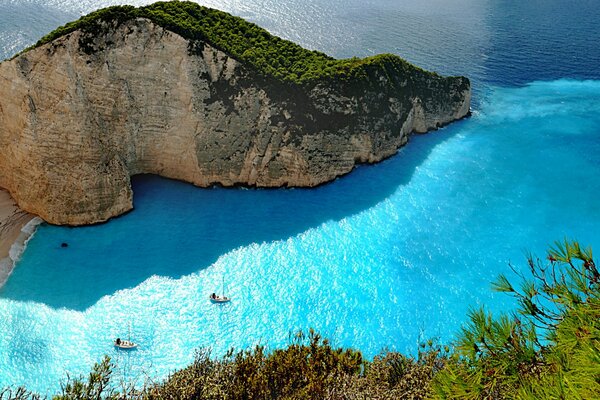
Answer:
(76, 123)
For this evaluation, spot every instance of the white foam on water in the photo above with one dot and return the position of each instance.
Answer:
(7, 264)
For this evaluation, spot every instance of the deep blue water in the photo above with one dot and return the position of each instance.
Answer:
(387, 256)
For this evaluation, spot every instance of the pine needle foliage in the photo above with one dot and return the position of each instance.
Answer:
(549, 348)
(244, 41)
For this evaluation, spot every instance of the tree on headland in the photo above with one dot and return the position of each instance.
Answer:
(246, 42)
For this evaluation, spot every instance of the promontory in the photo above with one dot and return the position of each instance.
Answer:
(195, 94)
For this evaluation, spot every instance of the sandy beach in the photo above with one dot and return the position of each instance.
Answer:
(12, 220)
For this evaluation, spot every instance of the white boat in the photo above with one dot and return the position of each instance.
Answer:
(219, 299)
(216, 299)
(125, 344)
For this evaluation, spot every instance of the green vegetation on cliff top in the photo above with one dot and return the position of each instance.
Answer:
(244, 41)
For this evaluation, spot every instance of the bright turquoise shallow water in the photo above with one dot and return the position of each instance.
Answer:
(385, 257)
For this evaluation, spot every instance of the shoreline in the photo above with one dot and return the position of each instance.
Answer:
(13, 233)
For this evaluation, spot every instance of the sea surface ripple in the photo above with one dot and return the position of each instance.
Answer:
(385, 257)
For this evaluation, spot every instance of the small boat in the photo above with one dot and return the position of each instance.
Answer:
(216, 299)
(125, 344)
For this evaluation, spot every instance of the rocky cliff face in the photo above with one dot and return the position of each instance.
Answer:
(77, 121)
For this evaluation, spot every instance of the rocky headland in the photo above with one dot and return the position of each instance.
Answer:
(127, 91)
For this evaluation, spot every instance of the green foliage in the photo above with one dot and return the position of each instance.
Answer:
(549, 349)
(393, 375)
(574, 359)
(245, 41)
(96, 388)
(19, 393)
(303, 370)
(91, 24)
(308, 368)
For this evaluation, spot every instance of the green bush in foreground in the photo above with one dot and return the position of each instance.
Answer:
(309, 368)
(548, 349)
(245, 41)
(305, 369)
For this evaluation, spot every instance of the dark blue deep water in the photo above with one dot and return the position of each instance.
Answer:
(387, 256)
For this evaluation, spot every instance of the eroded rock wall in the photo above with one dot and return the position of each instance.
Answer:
(80, 115)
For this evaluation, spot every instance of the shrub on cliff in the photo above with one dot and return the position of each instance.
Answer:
(305, 369)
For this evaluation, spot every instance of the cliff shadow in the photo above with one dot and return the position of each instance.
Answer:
(177, 229)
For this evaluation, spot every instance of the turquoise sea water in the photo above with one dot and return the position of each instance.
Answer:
(385, 257)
